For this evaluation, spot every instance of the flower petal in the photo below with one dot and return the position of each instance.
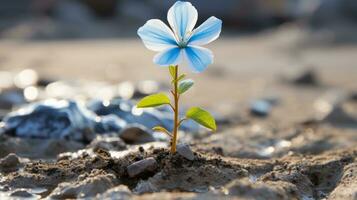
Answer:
(156, 35)
(206, 32)
(198, 58)
(182, 17)
(168, 57)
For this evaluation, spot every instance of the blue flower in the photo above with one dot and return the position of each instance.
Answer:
(182, 43)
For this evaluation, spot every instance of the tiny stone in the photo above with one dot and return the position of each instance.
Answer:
(141, 149)
(185, 151)
(4, 188)
(260, 108)
(21, 193)
(148, 164)
(339, 116)
(307, 77)
(136, 135)
(10, 163)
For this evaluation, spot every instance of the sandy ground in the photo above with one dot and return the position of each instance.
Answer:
(245, 68)
(298, 157)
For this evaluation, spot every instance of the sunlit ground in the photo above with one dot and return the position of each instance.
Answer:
(240, 62)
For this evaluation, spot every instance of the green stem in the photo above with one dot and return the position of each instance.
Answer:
(176, 112)
(180, 122)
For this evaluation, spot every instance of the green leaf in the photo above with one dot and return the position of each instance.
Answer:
(185, 85)
(161, 129)
(202, 117)
(172, 70)
(153, 101)
(182, 76)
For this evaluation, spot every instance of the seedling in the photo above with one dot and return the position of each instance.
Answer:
(178, 45)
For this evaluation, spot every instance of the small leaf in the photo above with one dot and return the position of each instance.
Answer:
(202, 117)
(161, 129)
(182, 76)
(172, 70)
(153, 101)
(185, 85)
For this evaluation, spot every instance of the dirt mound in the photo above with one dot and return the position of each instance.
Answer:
(290, 177)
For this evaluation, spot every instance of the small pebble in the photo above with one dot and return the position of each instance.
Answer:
(308, 77)
(136, 135)
(185, 151)
(141, 149)
(21, 193)
(148, 164)
(4, 188)
(339, 116)
(260, 108)
(10, 163)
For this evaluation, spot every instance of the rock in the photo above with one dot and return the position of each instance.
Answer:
(4, 188)
(136, 135)
(260, 108)
(185, 151)
(146, 165)
(338, 116)
(120, 192)
(21, 193)
(69, 120)
(109, 123)
(10, 163)
(52, 119)
(306, 78)
(126, 111)
(90, 186)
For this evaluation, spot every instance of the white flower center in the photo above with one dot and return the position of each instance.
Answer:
(182, 42)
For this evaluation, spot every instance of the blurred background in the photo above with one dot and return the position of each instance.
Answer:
(73, 19)
(283, 85)
(263, 41)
